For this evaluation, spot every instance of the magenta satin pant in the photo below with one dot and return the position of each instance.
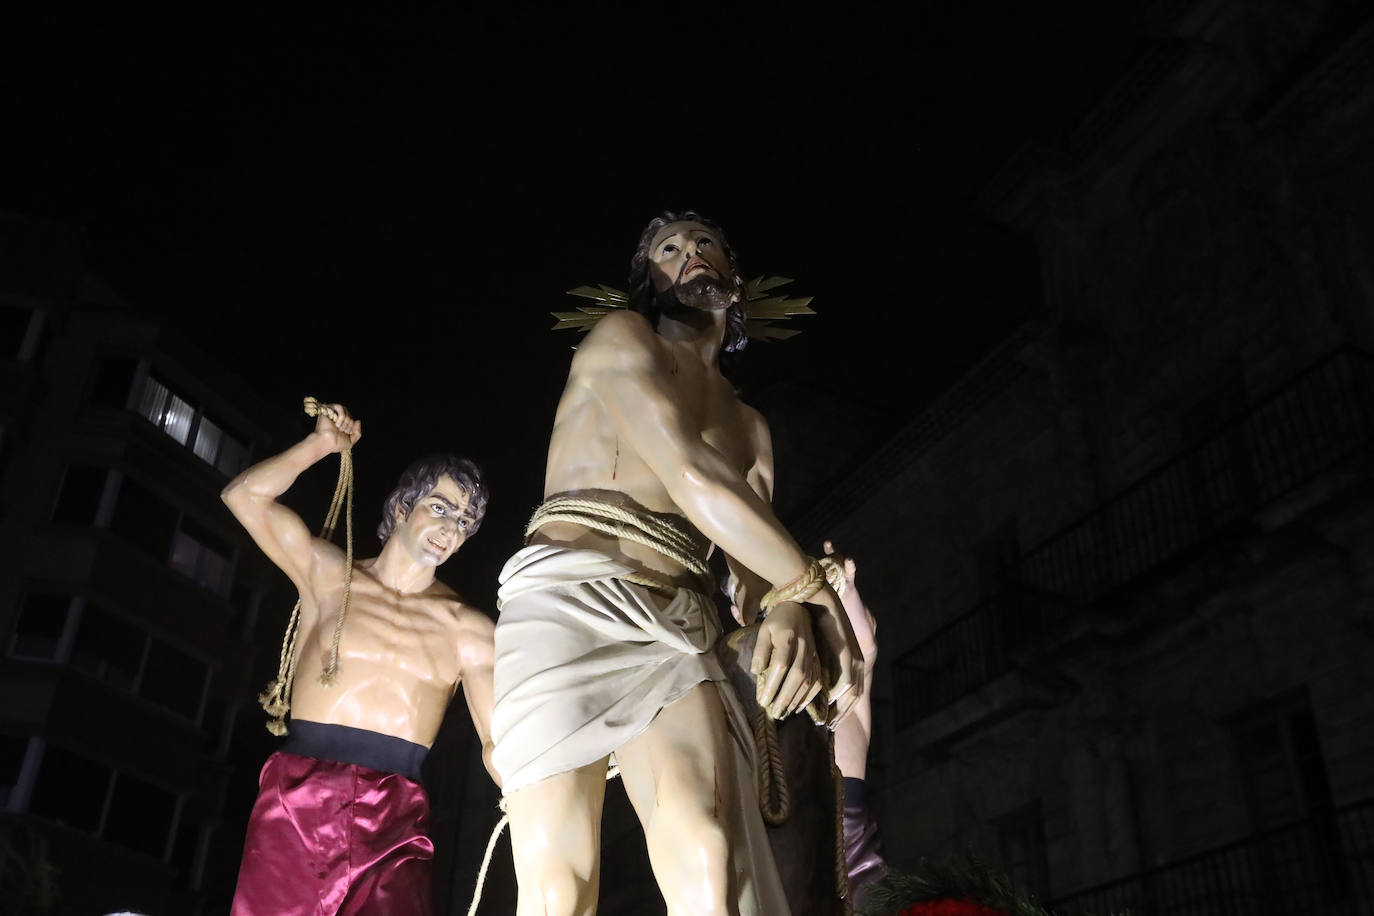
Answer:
(335, 838)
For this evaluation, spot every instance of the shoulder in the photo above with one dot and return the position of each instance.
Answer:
(620, 338)
(466, 616)
(329, 561)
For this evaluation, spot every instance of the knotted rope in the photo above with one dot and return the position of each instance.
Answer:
(841, 859)
(655, 532)
(276, 699)
(834, 574)
(801, 589)
(772, 773)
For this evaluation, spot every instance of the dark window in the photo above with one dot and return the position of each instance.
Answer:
(245, 599)
(183, 858)
(173, 679)
(1022, 838)
(212, 723)
(12, 748)
(108, 648)
(1284, 776)
(113, 381)
(14, 327)
(144, 519)
(140, 815)
(202, 555)
(42, 618)
(79, 499)
(220, 446)
(70, 789)
(38, 344)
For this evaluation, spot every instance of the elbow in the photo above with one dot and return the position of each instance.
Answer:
(236, 494)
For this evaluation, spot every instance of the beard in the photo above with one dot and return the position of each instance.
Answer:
(703, 293)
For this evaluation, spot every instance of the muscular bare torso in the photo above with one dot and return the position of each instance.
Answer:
(586, 453)
(399, 661)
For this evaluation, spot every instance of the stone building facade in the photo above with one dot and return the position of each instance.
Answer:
(1124, 568)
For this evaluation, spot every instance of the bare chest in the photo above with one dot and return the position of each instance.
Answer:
(412, 637)
(711, 406)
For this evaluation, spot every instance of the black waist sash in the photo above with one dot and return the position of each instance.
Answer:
(344, 744)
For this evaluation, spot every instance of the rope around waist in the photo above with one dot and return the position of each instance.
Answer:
(660, 534)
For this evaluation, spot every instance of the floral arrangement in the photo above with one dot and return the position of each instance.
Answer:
(961, 886)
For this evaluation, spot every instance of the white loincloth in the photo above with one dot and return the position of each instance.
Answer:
(585, 661)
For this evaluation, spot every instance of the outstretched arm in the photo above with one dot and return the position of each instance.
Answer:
(252, 497)
(620, 363)
(852, 733)
(476, 658)
(860, 617)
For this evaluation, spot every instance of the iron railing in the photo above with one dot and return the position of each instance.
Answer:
(1320, 419)
(1321, 866)
(970, 651)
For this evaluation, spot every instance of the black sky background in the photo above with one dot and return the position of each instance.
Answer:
(383, 208)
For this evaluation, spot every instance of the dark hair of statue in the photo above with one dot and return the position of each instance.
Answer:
(420, 479)
(642, 286)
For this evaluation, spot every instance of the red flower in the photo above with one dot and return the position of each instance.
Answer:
(950, 907)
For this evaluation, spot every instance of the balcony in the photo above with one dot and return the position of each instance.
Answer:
(96, 561)
(1317, 422)
(970, 652)
(1323, 865)
(78, 711)
(1320, 421)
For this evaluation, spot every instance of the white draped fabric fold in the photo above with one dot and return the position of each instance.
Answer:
(585, 661)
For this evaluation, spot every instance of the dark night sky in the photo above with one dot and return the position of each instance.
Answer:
(382, 210)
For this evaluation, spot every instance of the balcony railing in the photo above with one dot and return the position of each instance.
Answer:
(1323, 866)
(970, 651)
(1320, 419)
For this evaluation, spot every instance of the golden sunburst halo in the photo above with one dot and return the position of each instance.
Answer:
(762, 308)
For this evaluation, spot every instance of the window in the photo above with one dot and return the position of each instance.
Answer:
(12, 750)
(146, 520)
(1283, 773)
(201, 556)
(78, 502)
(216, 446)
(114, 379)
(174, 680)
(23, 331)
(1022, 837)
(116, 806)
(14, 328)
(186, 857)
(71, 789)
(109, 648)
(122, 381)
(39, 627)
(141, 815)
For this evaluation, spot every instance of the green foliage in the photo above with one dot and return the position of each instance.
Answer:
(958, 877)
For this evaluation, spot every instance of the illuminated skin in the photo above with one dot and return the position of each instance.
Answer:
(853, 732)
(647, 413)
(408, 642)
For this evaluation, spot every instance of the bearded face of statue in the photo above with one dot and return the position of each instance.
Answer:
(689, 266)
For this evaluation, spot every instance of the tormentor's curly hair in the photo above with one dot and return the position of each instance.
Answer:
(642, 293)
(420, 479)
